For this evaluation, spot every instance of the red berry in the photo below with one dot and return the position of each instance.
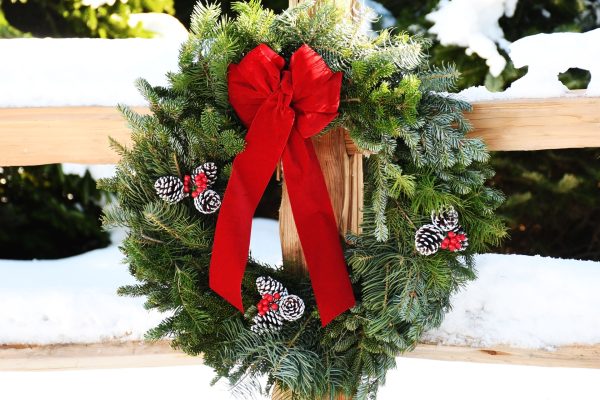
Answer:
(262, 312)
(446, 240)
(277, 296)
(444, 245)
(461, 237)
(458, 246)
(269, 297)
(264, 302)
(265, 296)
(274, 306)
(451, 234)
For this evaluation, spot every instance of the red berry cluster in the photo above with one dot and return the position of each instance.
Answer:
(268, 302)
(453, 241)
(200, 184)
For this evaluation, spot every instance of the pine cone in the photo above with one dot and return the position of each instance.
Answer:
(428, 239)
(291, 307)
(269, 322)
(446, 218)
(169, 188)
(268, 285)
(207, 202)
(210, 170)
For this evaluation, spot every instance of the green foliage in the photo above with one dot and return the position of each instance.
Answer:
(538, 209)
(420, 160)
(46, 214)
(77, 18)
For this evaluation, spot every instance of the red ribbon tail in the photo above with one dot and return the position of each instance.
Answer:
(317, 228)
(251, 172)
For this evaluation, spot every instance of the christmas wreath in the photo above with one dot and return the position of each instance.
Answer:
(250, 92)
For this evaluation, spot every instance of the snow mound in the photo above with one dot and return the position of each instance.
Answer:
(522, 301)
(82, 72)
(473, 24)
(527, 302)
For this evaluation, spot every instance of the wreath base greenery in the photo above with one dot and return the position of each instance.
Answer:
(393, 106)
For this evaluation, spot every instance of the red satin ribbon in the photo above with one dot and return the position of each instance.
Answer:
(282, 110)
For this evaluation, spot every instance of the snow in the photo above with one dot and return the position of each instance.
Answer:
(546, 55)
(412, 379)
(473, 24)
(523, 301)
(97, 171)
(71, 300)
(99, 3)
(526, 302)
(74, 300)
(161, 25)
(520, 300)
(82, 72)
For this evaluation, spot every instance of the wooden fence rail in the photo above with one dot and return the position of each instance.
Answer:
(33, 136)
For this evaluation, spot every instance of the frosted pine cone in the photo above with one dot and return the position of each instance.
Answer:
(291, 307)
(169, 188)
(207, 202)
(210, 170)
(267, 323)
(446, 218)
(428, 239)
(268, 285)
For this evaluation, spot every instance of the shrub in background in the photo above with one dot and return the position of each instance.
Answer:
(46, 214)
(78, 18)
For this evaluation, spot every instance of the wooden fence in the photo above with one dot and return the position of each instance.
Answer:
(34, 136)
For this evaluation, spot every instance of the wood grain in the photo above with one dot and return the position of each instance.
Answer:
(160, 354)
(133, 354)
(34, 136)
(537, 124)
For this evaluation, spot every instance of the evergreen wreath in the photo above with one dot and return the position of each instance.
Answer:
(394, 106)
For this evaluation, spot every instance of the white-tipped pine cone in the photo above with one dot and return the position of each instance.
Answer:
(428, 239)
(267, 323)
(291, 307)
(207, 202)
(169, 188)
(210, 170)
(445, 219)
(268, 285)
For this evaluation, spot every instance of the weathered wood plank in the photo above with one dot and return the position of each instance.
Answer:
(160, 354)
(33, 136)
(92, 356)
(537, 124)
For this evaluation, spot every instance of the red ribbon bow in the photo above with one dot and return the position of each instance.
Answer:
(282, 110)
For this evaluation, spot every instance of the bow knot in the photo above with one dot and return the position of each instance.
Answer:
(282, 109)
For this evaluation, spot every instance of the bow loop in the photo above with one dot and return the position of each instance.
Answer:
(253, 80)
(316, 91)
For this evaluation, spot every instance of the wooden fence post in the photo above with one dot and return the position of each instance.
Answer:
(343, 172)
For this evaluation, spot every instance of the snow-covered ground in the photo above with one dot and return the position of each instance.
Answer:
(413, 379)
(523, 301)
